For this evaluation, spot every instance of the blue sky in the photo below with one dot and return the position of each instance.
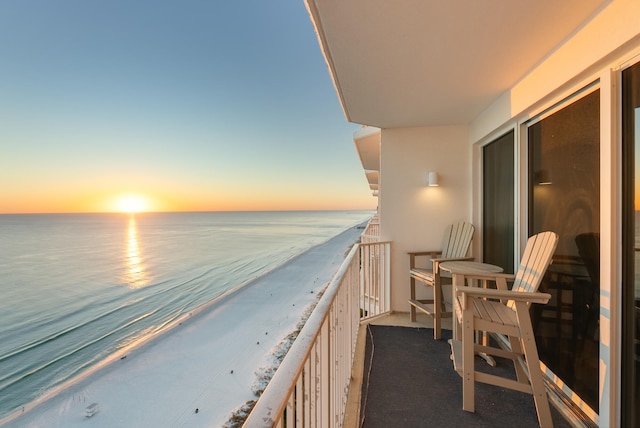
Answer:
(195, 105)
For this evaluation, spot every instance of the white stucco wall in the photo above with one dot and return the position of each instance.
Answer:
(413, 215)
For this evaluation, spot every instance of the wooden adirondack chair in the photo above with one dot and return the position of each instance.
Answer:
(455, 245)
(506, 312)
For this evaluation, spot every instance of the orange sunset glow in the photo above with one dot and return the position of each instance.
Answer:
(165, 120)
(164, 199)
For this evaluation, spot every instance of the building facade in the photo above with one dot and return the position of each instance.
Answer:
(529, 113)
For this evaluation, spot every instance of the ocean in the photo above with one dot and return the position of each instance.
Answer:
(75, 288)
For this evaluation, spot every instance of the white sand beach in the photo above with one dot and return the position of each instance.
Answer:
(200, 371)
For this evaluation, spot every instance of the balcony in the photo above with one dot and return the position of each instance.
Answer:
(332, 378)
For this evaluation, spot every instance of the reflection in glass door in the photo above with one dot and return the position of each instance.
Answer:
(564, 197)
(631, 246)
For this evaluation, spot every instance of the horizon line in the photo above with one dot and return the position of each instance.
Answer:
(185, 211)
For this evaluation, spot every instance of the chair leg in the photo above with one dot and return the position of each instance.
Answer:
(468, 361)
(412, 317)
(437, 311)
(516, 348)
(533, 365)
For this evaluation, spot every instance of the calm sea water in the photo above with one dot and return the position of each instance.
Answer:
(74, 288)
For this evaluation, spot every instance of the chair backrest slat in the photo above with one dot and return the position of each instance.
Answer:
(456, 240)
(535, 260)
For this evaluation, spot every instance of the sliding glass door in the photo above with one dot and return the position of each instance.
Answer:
(497, 202)
(564, 197)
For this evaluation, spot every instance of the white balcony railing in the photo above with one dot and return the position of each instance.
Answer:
(375, 259)
(372, 231)
(311, 386)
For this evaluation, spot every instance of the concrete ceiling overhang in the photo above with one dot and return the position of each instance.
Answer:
(373, 177)
(367, 141)
(434, 62)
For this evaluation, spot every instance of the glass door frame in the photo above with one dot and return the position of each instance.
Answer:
(514, 181)
(478, 191)
(629, 390)
(528, 186)
(580, 409)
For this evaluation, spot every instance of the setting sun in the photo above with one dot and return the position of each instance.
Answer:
(131, 204)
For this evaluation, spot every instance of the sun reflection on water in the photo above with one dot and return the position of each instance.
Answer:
(135, 273)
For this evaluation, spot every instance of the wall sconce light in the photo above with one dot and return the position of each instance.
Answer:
(432, 180)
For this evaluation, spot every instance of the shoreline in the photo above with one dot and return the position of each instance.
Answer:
(56, 406)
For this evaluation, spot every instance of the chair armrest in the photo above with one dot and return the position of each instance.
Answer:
(424, 253)
(490, 293)
(414, 254)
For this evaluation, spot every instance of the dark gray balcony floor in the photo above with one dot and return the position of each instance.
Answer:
(409, 381)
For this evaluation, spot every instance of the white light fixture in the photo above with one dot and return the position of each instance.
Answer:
(433, 179)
